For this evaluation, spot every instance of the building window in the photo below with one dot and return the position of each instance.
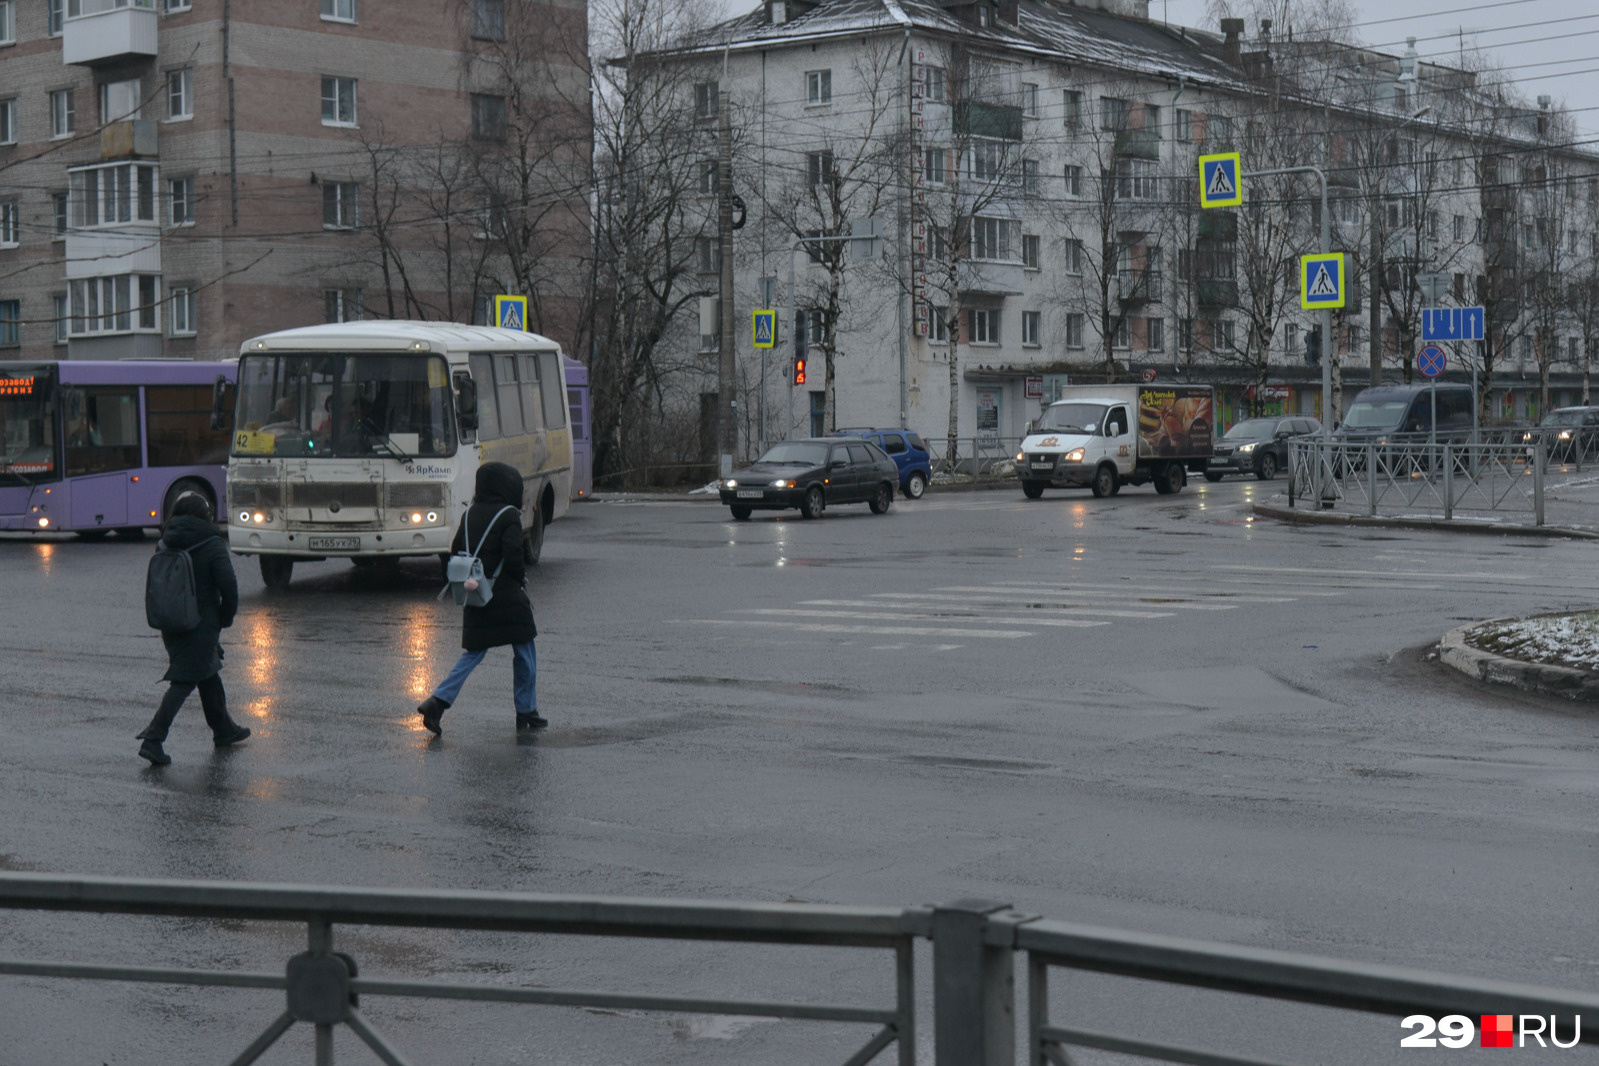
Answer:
(124, 303)
(8, 122)
(338, 10)
(985, 325)
(63, 112)
(1029, 99)
(55, 16)
(1072, 101)
(987, 159)
(180, 201)
(10, 323)
(819, 165)
(175, 6)
(1222, 331)
(1032, 323)
(1030, 243)
(338, 101)
(815, 247)
(933, 166)
(938, 243)
(1114, 113)
(818, 413)
(1074, 330)
(709, 251)
(341, 305)
(488, 117)
(58, 312)
(488, 20)
(1074, 181)
(1030, 177)
(992, 238)
(1218, 130)
(58, 215)
(935, 85)
(710, 177)
(1185, 334)
(1152, 119)
(10, 224)
(341, 206)
(111, 195)
(1136, 180)
(1155, 339)
(1185, 125)
(706, 100)
(1074, 256)
(818, 87)
(1121, 336)
(180, 310)
(121, 99)
(1291, 338)
(938, 326)
(816, 326)
(180, 94)
(8, 23)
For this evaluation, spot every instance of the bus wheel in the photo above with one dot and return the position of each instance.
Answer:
(276, 570)
(131, 532)
(93, 534)
(535, 535)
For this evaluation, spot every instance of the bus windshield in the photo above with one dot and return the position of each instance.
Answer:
(332, 404)
(27, 427)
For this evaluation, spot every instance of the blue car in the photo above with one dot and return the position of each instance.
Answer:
(908, 451)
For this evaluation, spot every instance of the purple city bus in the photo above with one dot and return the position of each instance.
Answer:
(101, 447)
(577, 398)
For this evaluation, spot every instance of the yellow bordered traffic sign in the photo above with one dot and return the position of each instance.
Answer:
(1321, 281)
(1221, 180)
(510, 312)
(764, 329)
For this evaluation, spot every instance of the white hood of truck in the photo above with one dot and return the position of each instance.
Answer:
(1057, 442)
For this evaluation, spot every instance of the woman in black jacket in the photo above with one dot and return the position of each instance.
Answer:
(195, 657)
(508, 616)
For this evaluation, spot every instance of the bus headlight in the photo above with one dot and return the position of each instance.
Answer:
(244, 516)
(433, 516)
(258, 518)
(416, 518)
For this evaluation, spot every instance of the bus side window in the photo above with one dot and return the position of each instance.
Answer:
(528, 374)
(178, 419)
(102, 427)
(488, 421)
(509, 394)
(554, 383)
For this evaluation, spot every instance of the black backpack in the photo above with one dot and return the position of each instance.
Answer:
(170, 601)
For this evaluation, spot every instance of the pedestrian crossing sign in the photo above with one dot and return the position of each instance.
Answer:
(1221, 180)
(1321, 281)
(765, 326)
(510, 312)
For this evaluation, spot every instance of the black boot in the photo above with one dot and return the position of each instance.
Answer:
(151, 749)
(531, 720)
(231, 737)
(432, 710)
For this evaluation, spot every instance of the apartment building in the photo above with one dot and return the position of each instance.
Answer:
(1032, 166)
(179, 175)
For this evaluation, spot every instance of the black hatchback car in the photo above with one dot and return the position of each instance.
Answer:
(812, 473)
(1257, 446)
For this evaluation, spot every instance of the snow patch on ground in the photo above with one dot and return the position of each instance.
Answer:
(1556, 640)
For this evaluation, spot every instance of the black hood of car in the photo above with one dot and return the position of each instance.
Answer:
(773, 471)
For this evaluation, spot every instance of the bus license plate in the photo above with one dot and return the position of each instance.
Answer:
(750, 494)
(335, 544)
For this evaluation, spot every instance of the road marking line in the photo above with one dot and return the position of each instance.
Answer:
(1174, 604)
(1298, 589)
(1325, 572)
(967, 600)
(1070, 623)
(894, 631)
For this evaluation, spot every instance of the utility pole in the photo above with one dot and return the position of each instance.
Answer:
(727, 363)
(1374, 312)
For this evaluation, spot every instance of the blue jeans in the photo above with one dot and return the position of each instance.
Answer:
(524, 676)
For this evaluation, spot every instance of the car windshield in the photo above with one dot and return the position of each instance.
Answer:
(795, 453)
(329, 404)
(27, 427)
(1251, 429)
(1071, 418)
(1563, 418)
(1379, 415)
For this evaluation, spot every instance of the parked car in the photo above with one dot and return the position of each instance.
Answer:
(1569, 431)
(908, 451)
(1257, 446)
(812, 473)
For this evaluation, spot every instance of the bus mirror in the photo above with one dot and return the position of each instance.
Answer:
(466, 401)
(219, 416)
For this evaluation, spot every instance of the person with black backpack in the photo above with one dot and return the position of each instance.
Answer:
(191, 596)
(491, 532)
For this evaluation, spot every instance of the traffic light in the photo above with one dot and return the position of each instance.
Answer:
(799, 371)
(1313, 346)
(802, 333)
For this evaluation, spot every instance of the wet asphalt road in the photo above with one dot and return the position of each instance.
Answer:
(1144, 712)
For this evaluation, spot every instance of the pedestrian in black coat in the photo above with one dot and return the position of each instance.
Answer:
(507, 619)
(194, 658)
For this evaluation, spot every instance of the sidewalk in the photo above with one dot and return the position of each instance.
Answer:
(1571, 510)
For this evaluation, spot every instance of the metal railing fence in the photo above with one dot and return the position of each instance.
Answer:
(1403, 474)
(974, 964)
(976, 456)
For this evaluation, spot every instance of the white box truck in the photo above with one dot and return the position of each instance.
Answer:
(1107, 436)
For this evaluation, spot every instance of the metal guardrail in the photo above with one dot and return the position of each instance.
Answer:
(1497, 471)
(974, 947)
(976, 456)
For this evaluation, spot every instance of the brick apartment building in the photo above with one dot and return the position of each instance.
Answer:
(179, 175)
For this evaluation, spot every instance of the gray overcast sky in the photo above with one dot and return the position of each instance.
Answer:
(1558, 58)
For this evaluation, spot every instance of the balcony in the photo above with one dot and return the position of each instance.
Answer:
(1138, 286)
(130, 137)
(988, 277)
(131, 249)
(1217, 292)
(109, 31)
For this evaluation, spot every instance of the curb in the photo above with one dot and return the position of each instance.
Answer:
(706, 497)
(1295, 516)
(1564, 681)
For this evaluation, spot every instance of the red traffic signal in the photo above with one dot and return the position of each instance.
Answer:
(799, 371)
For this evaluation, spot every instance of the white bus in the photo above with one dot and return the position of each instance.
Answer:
(362, 440)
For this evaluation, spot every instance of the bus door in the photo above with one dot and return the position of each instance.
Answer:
(102, 452)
